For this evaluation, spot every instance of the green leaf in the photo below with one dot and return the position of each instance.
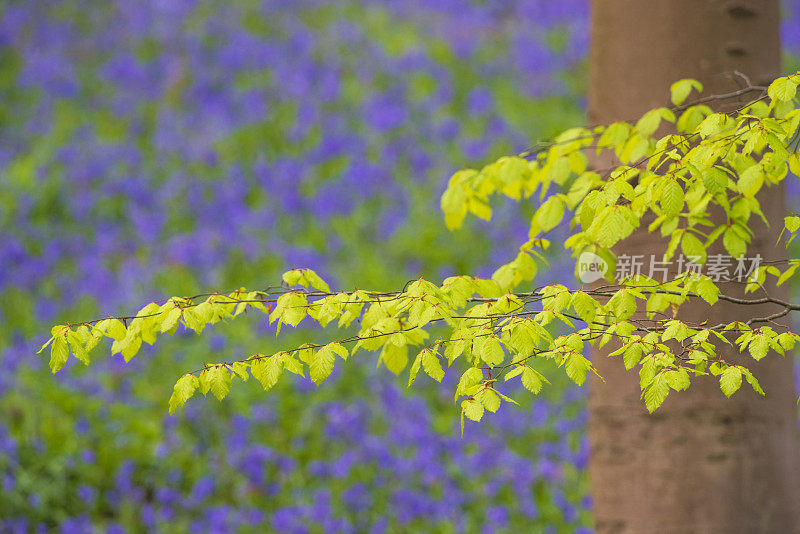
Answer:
(432, 365)
(585, 306)
(730, 380)
(473, 409)
(46, 344)
(782, 90)
(672, 198)
(521, 337)
(489, 399)
(290, 308)
(492, 351)
(677, 379)
(205, 312)
(292, 365)
(415, 366)
(114, 328)
(656, 392)
(454, 201)
(219, 381)
(632, 355)
(675, 329)
(550, 213)
(576, 367)
(306, 353)
(681, 89)
(205, 385)
(274, 367)
(715, 180)
(615, 135)
(170, 321)
(293, 277)
(714, 124)
(268, 370)
(316, 281)
(77, 347)
(394, 357)
(693, 248)
(322, 364)
(338, 349)
(751, 180)
(708, 291)
(759, 346)
(623, 303)
(649, 122)
(240, 370)
(532, 380)
(753, 382)
(516, 371)
(183, 391)
(59, 352)
(470, 378)
(734, 244)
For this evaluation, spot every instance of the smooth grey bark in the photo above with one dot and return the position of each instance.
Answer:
(702, 463)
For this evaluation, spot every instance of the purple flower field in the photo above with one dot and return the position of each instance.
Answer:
(171, 147)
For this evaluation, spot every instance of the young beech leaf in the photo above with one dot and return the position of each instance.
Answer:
(338, 348)
(492, 351)
(59, 351)
(730, 380)
(585, 306)
(648, 123)
(394, 357)
(219, 381)
(632, 356)
(432, 365)
(183, 391)
(759, 346)
(205, 385)
(292, 365)
(693, 248)
(549, 214)
(656, 393)
(516, 371)
(471, 377)
(532, 380)
(315, 281)
(240, 370)
(473, 409)
(576, 367)
(78, 349)
(415, 366)
(715, 180)
(782, 90)
(505, 398)
(322, 364)
(114, 328)
(489, 399)
(266, 370)
(291, 308)
(753, 381)
(672, 198)
(681, 89)
(171, 319)
(293, 277)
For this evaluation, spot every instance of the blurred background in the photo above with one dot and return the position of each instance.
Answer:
(166, 147)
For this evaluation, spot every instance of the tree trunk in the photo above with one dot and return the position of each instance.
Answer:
(701, 463)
